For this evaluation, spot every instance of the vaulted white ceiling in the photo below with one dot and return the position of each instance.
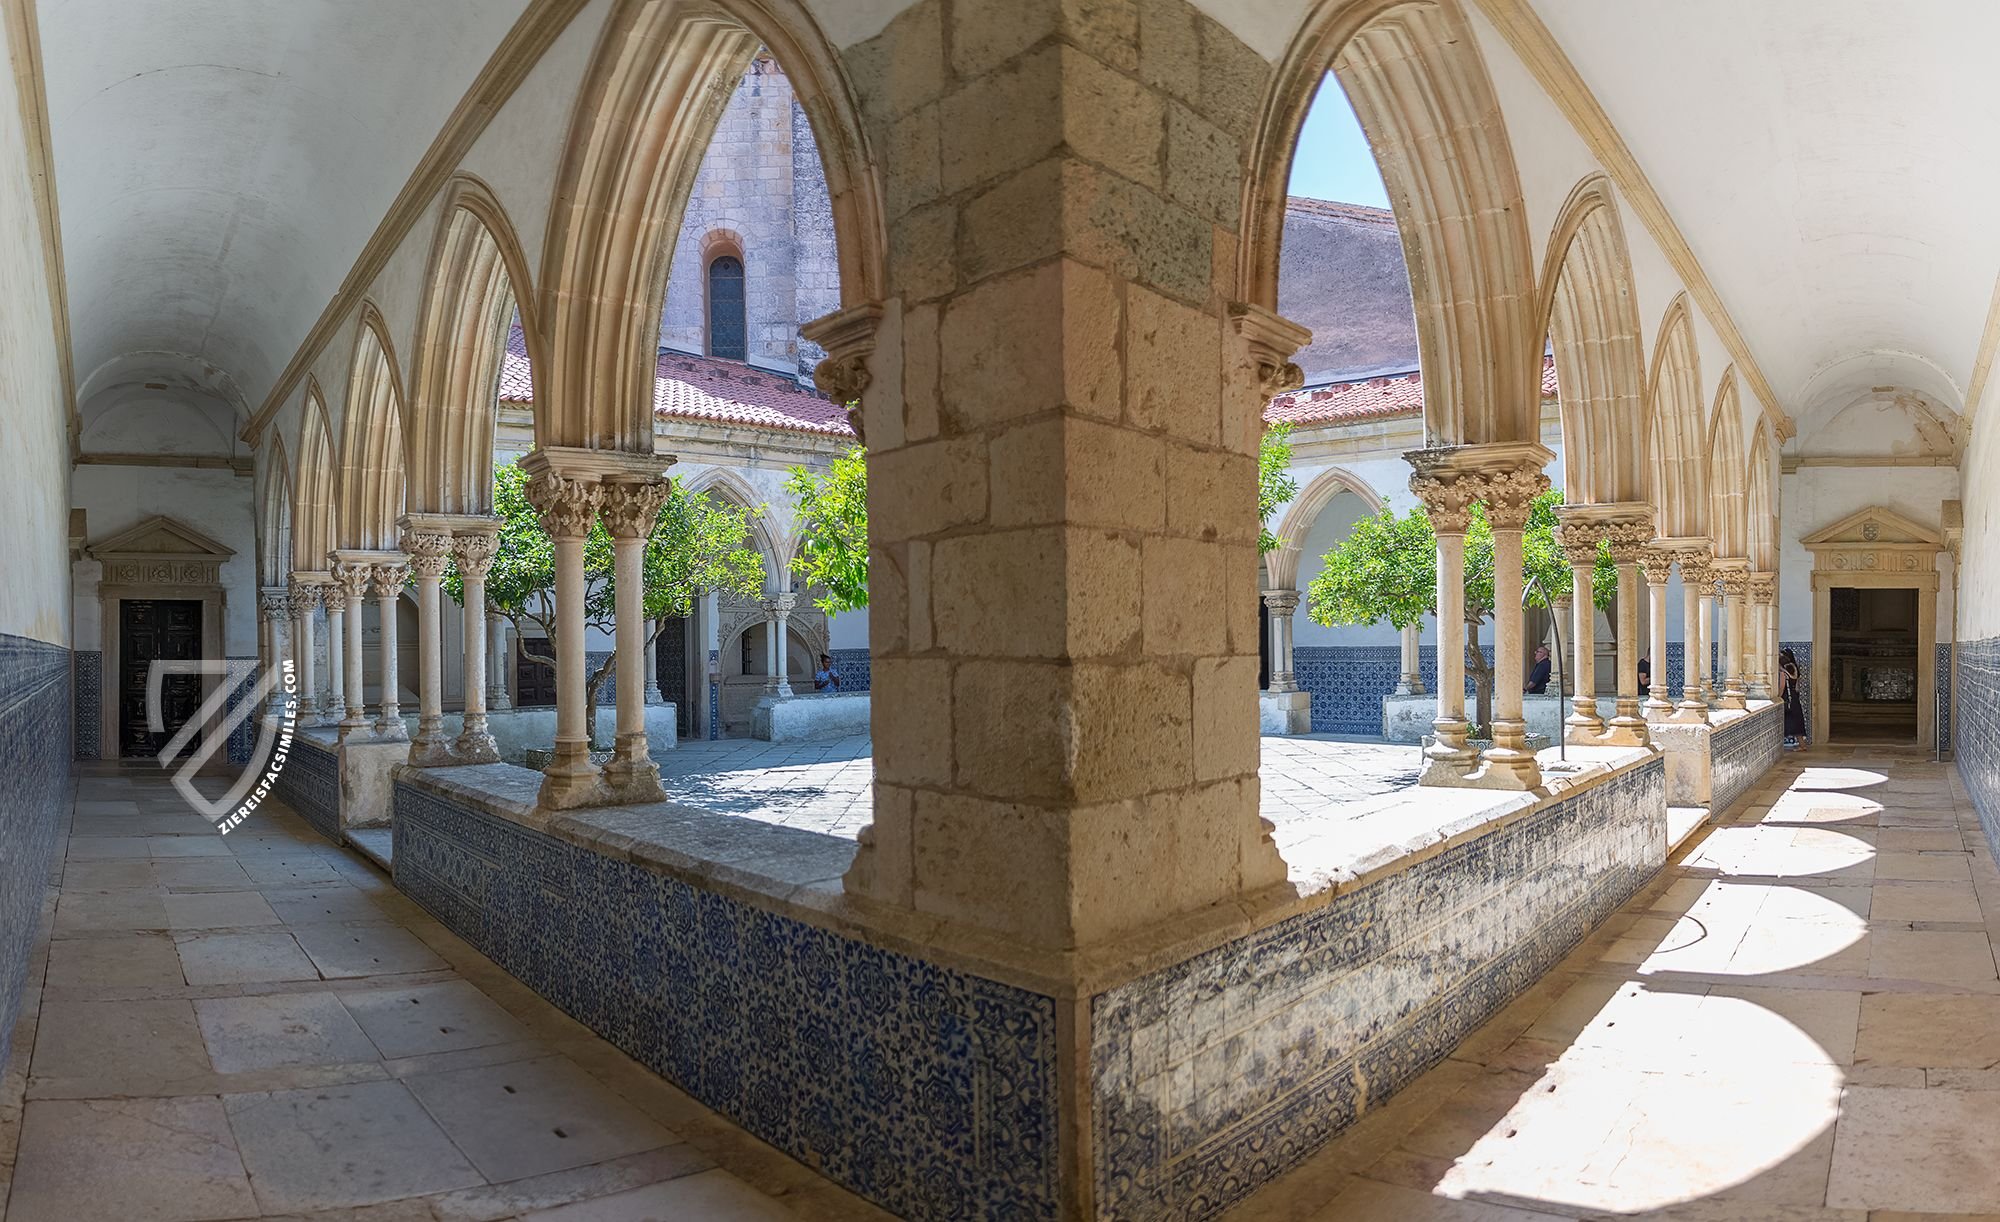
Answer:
(1829, 162)
(221, 163)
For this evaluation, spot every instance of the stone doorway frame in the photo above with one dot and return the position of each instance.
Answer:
(1875, 549)
(159, 558)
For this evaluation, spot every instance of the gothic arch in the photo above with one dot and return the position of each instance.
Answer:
(372, 472)
(731, 487)
(1728, 511)
(313, 522)
(1680, 465)
(1281, 566)
(274, 517)
(1761, 505)
(470, 297)
(1593, 327)
(648, 106)
(1413, 72)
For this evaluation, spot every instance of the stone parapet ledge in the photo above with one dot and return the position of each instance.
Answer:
(807, 717)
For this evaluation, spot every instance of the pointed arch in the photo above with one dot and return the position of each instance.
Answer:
(1281, 566)
(729, 486)
(274, 515)
(1593, 327)
(313, 514)
(478, 277)
(371, 442)
(1678, 427)
(1413, 72)
(1761, 503)
(1728, 516)
(650, 101)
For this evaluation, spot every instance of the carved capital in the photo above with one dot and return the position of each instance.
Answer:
(1698, 570)
(1281, 602)
(1447, 499)
(474, 553)
(429, 551)
(849, 339)
(1579, 540)
(781, 606)
(389, 578)
(1510, 496)
(1269, 340)
(1657, 563)
(566, 506)
(630, 510)
(1763, 589)
(352, 578)
(275, 602)
(304, 599)
(1735, 583)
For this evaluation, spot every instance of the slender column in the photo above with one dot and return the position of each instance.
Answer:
(1282, 603)
(430, 555)
(1579, 541)
(567, 506)
(1412, 681)
(498, 697)
(779, 610)
(1733, 694)
(1659, 567)
(1695, 577)
(1447, 498)
(389, 580)
(1709, 694)
(653, 630)
(473, 552)
(1509, 496)
(275, 605)
(631, 509)
(1762, 587)
(352, 576)
(305, 600)
(333, 701)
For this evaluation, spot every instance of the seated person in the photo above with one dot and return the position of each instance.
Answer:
(1538, 677)
(826, 678)
(1645, 676)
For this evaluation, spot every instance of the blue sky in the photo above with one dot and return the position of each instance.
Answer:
(1333, 161)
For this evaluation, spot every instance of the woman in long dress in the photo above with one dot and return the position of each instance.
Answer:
(1795, 709)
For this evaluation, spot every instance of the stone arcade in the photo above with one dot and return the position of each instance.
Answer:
(290, 281)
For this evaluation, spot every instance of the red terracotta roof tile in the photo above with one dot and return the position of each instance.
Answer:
(1367, 399)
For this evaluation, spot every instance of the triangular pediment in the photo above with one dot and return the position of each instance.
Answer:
(1876, 526)
(160, 536)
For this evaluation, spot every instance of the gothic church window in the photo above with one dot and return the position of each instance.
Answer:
(728, 333)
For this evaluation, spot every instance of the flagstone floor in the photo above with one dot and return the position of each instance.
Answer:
(259, 1025)
(1799, 1020)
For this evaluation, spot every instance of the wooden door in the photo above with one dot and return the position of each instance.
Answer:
(150, 630)
(534, 682)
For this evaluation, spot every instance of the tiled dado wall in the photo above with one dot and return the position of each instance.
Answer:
(1742, 750)
(86, 703)
(853, 667)
(37, 742)
(1940, 660)
(1978, 740)
(1214, 1076)
(932, 1092)
(310, 783)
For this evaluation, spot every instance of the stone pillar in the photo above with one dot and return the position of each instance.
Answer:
(352, 575)
(305, 600)
(390, 577)
(631, 508)
(1710, 694)
(1563, 670)
(1763, 588)
(333, 701)
(430, 553)
(1509, 495)
(499, 696)
(473, 551)
(778, 611)
(1628, 725)
(1658, 565)
(274, 606)
(1282, 603)
(1733, 581)
(653, 630)
(1579, 544)
(1696, 576)
(1447, 499)
(1412, 681)
(567, 506)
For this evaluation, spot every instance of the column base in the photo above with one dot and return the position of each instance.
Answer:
(356, 722)
(1731, 700)
(570, 780)
(1583, 727)
(1284, 712)
(1656, 710)
(1758, 690)
(1448, 761)
(430, 748)
(1508, 764)
(1410, 685)
(389, 727)
(475, 744)
(1286, 681)
(1690, 712)
(1627, 729)
(632, 778)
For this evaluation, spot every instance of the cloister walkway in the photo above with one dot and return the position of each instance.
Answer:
(1799, 1020)
(260, 1025)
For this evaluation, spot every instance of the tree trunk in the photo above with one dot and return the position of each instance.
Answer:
(1481, 671)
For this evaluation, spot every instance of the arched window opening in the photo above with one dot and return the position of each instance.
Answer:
(728, 331)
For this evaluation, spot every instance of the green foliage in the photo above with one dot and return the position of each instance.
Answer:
(1275, 486)
(833, 530)
(696, 547)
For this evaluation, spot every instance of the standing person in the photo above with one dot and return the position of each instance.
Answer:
(1538, 677)
(1645, 676)
(826, 678)
(1795, 709)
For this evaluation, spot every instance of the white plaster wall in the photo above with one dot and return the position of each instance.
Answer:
(1817, 497)
(220, 504)
(1980, 577)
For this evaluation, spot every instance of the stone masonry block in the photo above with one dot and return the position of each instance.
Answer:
(976, 146)
(997, 865)
(1204, 167)
(901, 68)
(920, 372)
(1007, 347)
(1136, 233)
(912, 720)
(1130, 730)
(923, 246)
(1011, 731)
(1111, 119)
(884, 869)
(1211, 495)
(888, 596)
(985, 35)
(1173, 368)
(928, 488)
(1013, 223)
(914, 161)
(1242, 568)
(1187, 599)
(1067, 469)
(1225, 718)
(1041, 592)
